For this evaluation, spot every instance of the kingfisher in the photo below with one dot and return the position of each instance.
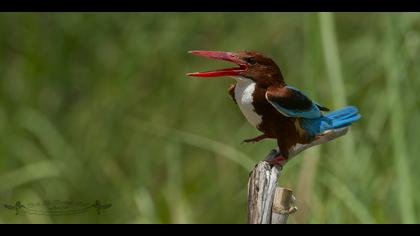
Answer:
(278, 110)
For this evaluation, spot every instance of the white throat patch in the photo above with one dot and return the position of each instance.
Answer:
(243, 95)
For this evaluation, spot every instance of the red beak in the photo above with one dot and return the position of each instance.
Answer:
(226, 56)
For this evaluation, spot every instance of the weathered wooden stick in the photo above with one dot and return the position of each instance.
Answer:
(262, 185)
(282, 205)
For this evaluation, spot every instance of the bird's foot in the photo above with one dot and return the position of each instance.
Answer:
(256, 139)
(276, 159)
(279, 160)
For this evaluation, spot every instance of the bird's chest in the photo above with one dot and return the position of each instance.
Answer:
(244, 91)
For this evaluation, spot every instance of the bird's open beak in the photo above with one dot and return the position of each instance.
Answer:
(226, 56)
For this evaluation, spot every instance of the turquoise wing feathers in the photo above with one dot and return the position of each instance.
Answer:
(292, 102)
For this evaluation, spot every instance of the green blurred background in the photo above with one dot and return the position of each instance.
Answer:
(97, 106)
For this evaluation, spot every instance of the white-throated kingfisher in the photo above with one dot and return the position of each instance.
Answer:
(278, 110)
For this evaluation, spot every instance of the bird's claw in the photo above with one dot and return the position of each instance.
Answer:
(248, 141)
(275, 158)
(256, 139)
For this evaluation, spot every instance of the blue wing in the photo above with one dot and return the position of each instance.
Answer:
(292, 102)
(321, 107)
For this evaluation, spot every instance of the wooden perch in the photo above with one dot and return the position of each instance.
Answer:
(261, 186)
(267, 203)
(282, 205)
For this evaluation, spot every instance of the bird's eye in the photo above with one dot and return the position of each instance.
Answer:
(250, 60)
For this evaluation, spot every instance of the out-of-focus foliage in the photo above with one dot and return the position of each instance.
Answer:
(97, 106)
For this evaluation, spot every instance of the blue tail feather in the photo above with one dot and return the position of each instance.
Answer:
(333, 120)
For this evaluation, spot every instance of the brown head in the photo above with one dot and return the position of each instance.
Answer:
(252, 65)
